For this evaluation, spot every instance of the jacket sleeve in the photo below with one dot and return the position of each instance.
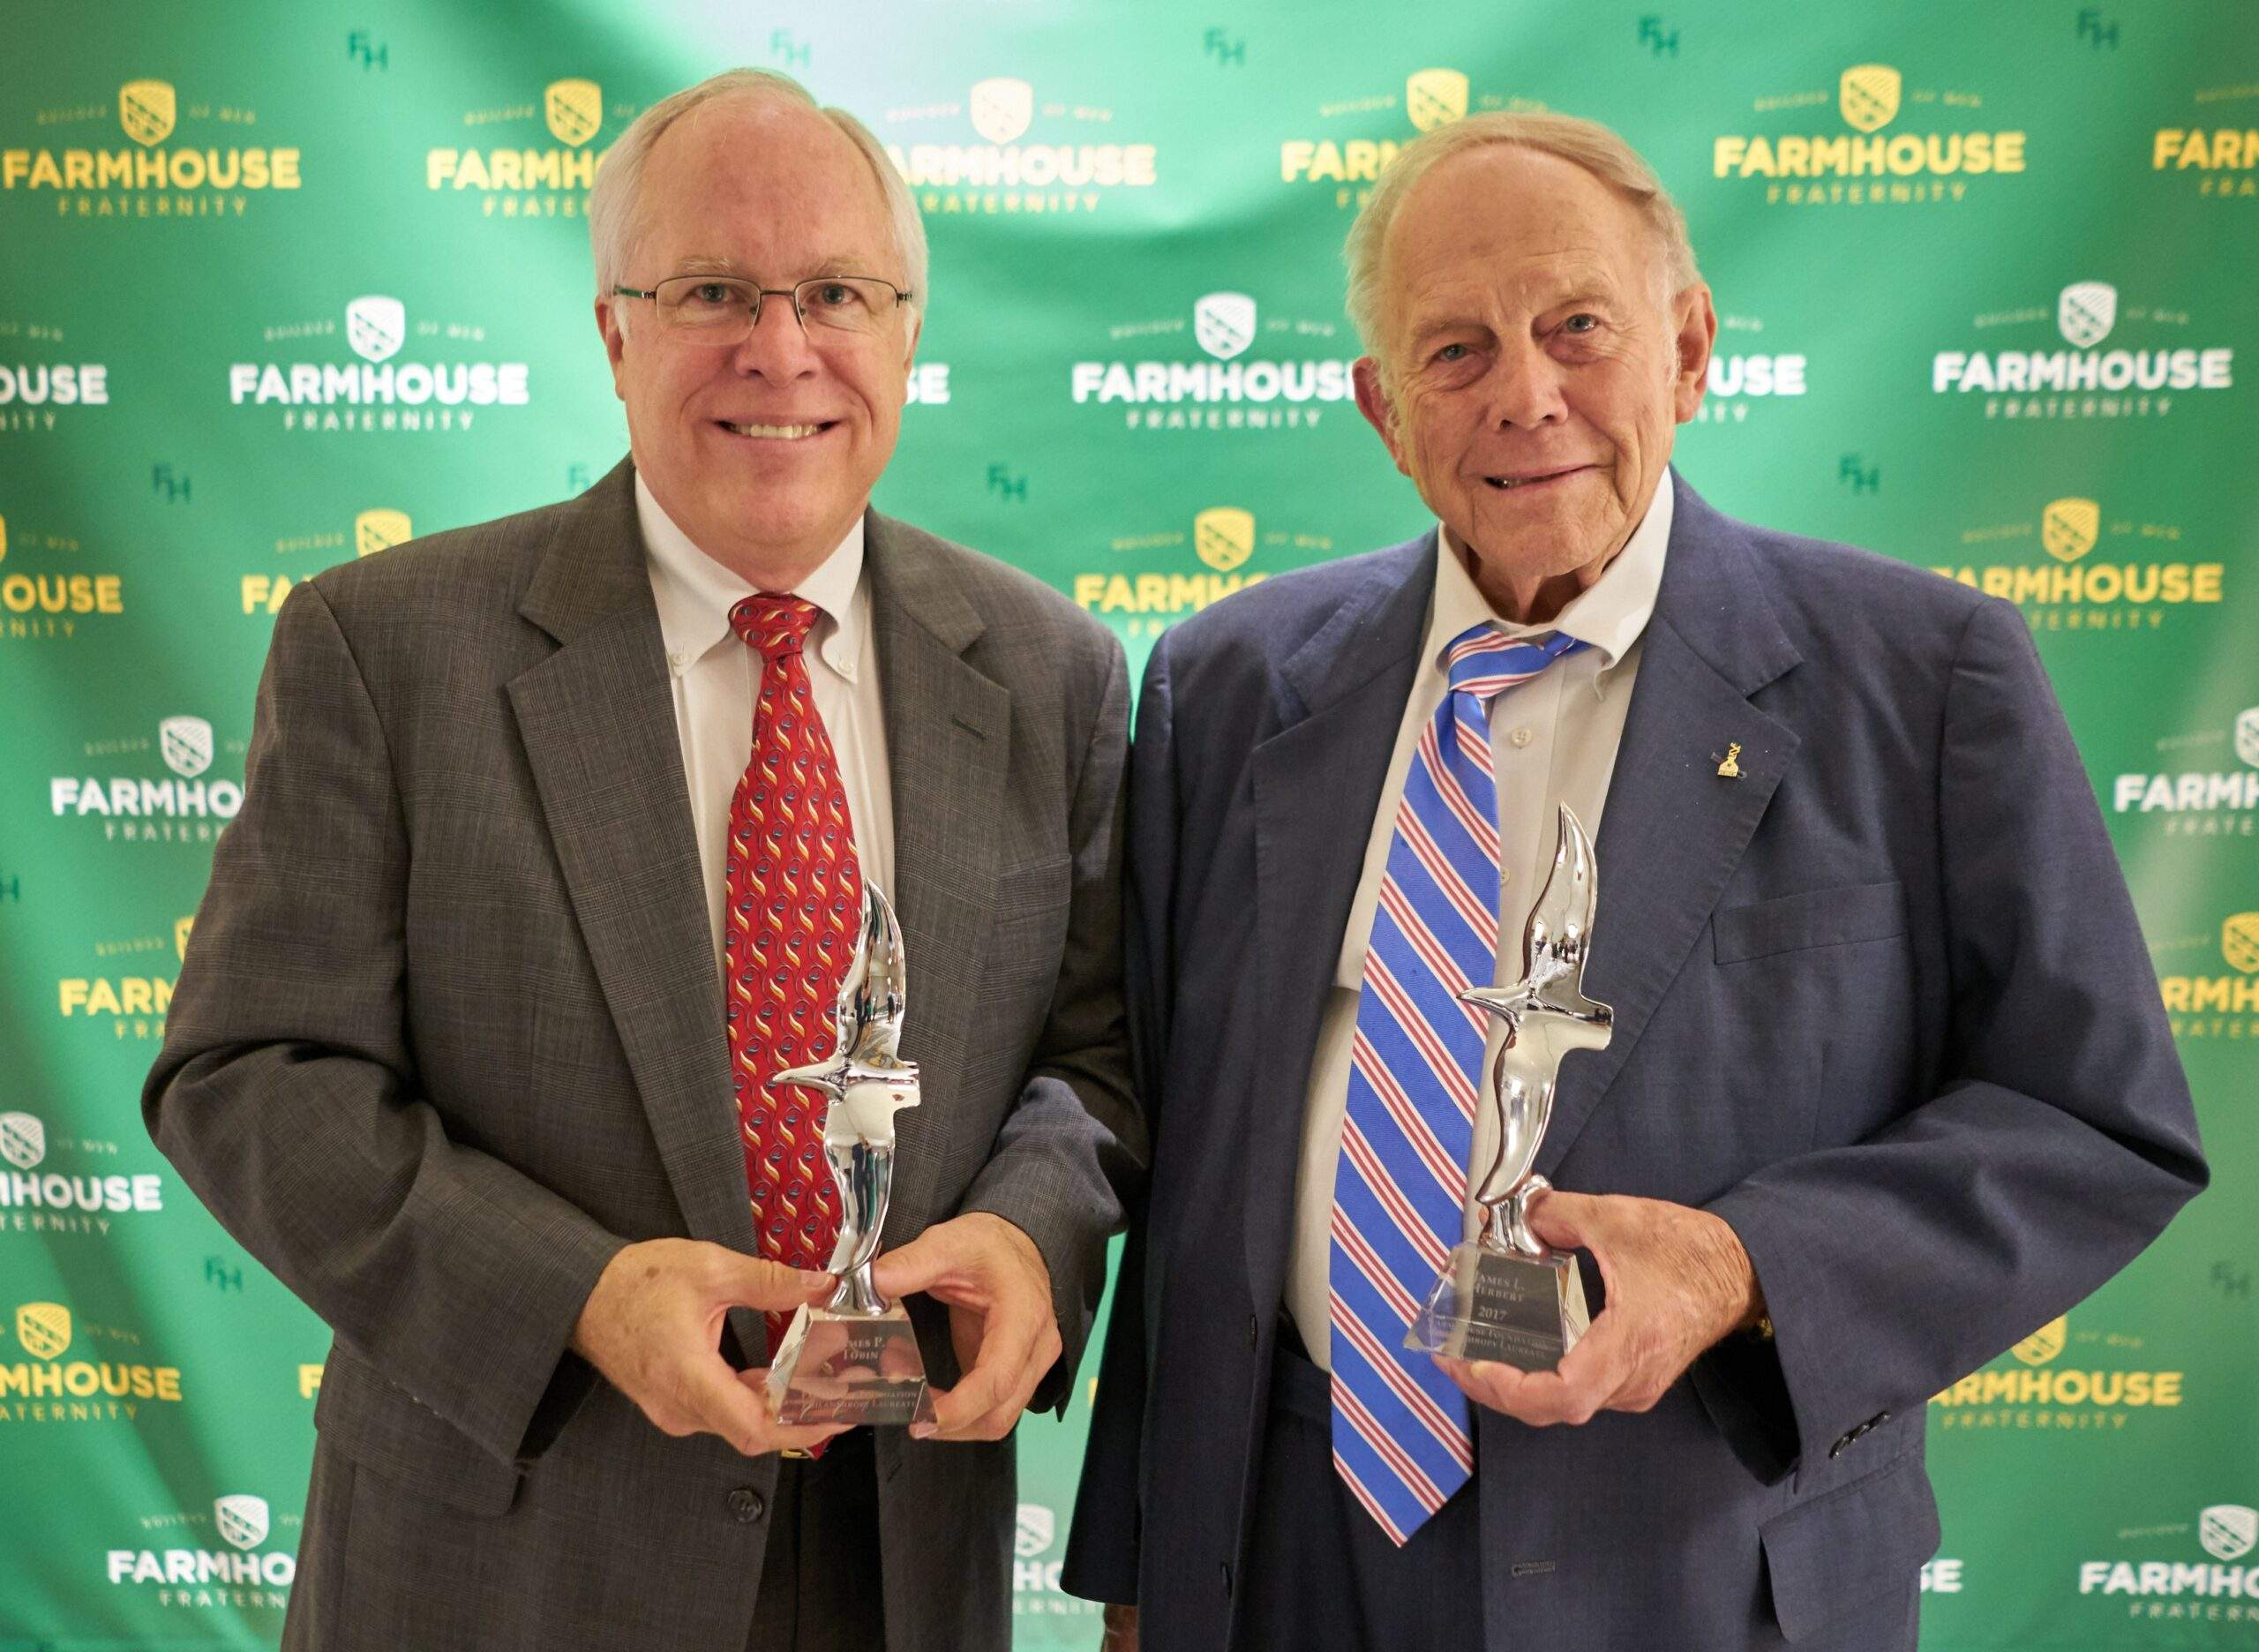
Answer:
(2060, 1138)
(1074, 1141)
(287, 1094)
(1102, 1549)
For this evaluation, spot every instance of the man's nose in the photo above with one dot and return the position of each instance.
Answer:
(1524, 387)
(776, 346)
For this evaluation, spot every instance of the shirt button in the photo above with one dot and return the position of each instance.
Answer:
(746, 1504)
(1520, 737)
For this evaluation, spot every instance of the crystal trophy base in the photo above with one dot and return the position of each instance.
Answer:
(849, 1368)
(1523, 1311)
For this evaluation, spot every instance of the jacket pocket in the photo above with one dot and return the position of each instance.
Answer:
(384, 1431)
(1849, 1546)
(1817, 918)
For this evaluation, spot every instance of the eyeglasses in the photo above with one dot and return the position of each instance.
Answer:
(724, 311)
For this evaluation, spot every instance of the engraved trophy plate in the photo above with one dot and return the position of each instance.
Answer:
(854, 1358)
(1505, 1296)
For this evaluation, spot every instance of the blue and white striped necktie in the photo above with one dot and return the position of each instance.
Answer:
(1402, 1438)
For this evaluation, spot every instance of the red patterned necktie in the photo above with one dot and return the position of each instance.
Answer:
(795, 897)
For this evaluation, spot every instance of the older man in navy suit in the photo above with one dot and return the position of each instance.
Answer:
(1889, 1082)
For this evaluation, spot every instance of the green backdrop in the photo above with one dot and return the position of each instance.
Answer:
(284, 284)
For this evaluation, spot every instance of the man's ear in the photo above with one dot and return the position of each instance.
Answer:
(1694, 334)
(611, 323)
(1373, 402)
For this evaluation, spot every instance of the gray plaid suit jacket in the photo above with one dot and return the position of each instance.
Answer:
(449, 1033)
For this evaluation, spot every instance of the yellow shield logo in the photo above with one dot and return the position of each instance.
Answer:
(43, 1328)
(1868, 94)
(575, 109)
(1224, 537)
(2069, 528)
(2239, 942)
(2043, 1344)
(4, 538)
(181, 927)
(1435, 97)
(145, 109)
(375, 530)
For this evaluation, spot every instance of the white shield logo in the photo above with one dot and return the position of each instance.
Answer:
(2227, 1530)
(186, 742)
(376, 327)
(242, 1519)
(147, 109)
(1037, 1528)
(2246, 736)
(1224, 322)
(1868, 96)
(23, 1140)
(1435, 97)
(574, 111)
(2086, 313)
(1001, 109)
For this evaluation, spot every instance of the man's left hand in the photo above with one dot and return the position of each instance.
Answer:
(1678, 1280)
(999, 1295)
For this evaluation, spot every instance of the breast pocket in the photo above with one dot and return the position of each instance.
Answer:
(1816, 918)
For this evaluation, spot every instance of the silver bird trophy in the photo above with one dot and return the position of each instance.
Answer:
(1505, 1296)
(854, 1359)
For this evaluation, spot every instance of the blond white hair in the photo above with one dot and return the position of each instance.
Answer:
(1582, 143)
(614, 214)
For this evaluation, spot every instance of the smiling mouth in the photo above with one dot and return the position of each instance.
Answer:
(775, 432)
(1534, 478)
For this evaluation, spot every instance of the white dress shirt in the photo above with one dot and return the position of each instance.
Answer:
(717, 677)
(1554, 740)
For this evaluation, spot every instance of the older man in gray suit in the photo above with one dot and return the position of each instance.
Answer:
(555, 832)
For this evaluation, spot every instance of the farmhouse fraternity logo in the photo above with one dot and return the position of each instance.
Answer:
(1223, 324)
(391, 389)
(1001, 109)
(376, 327)
(186, 743)
(2086, 310)
(44, 1329)
(1028, 159)
(1868, 96)
(154, 175)
(2069, 527)
(1224, 537)
(241, 1519)
(574, 109)
(375, 530)
(147, 109)
(1434, 98)
(23, 1141)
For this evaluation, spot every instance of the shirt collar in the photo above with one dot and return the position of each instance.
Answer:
(695, 593)
(1609, 614)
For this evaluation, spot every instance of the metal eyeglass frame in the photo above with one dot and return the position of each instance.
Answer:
(902, 296)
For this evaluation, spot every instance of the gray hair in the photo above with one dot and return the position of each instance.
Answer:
(1583, 143)
(614, 207)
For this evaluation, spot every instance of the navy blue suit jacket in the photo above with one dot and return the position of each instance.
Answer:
(1881, 1003)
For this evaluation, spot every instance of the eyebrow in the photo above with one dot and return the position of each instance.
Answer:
(707, 266)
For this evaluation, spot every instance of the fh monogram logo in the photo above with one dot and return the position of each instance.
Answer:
(2086, 311)
(2239, 942)
(1224, 537)
(2069, 527)
(1868, 96)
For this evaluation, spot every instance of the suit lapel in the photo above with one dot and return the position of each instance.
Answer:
(597, 718)
(1673, 828)
(948, 746)
(1316, 783)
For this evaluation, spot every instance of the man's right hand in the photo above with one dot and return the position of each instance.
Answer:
(653, 1327)
(1121, 1630)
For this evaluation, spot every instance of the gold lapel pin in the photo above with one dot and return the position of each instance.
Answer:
(1730, 769)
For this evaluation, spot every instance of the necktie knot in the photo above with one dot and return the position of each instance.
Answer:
(776, 623)
(1483, 662)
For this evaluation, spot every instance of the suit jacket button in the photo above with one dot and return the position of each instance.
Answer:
(747, 1504)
